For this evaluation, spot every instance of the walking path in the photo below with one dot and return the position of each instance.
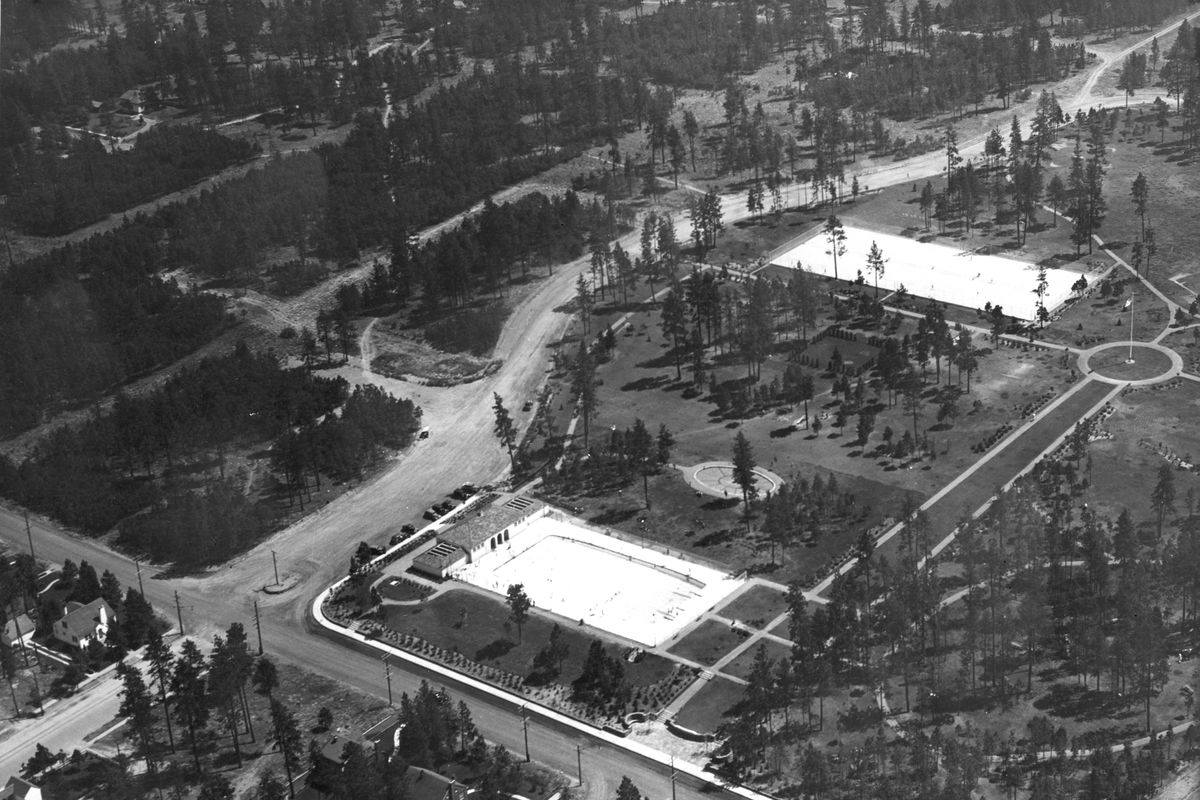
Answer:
(974, 488)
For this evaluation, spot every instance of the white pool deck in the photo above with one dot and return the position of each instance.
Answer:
(944, 273)
(634, 592)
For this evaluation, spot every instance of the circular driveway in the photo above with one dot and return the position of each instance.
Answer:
(1152, 363)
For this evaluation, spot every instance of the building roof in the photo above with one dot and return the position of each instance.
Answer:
(439, 556)
(425, 784)
(20, 789)
(21, 622)
(384, 735)
(82, 620)
(474, 531)
(336, 746)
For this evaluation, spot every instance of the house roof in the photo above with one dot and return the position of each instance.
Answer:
(20, 789)
(383, 735)
(333, 749)
(474, 531)
(21, 622)
(82, 621)
(425, 784)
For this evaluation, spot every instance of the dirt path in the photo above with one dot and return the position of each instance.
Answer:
(366, 349)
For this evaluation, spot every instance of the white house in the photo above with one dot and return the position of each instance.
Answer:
(19, 789)
(83, 623)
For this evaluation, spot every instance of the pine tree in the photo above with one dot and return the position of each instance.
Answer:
(519, 605)
(138, 708)
(875, 264)
(287, 739)
(835, 234)
(504, 429)
(743, 469)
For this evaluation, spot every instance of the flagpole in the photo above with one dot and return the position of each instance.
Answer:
(1130, 359)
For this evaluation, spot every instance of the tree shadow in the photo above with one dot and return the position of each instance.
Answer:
(496, 649)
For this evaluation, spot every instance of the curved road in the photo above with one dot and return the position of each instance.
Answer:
(461, 447)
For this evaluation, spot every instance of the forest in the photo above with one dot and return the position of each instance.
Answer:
(66, 182)
(86, 317)
(1094, 15)
(207, 60)
(156, 464)
(479, 255)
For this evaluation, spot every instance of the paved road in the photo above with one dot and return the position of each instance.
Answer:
(317, 549)
(63, 727)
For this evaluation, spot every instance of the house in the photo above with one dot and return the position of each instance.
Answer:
(19, 789)
(83, 624)
(131, 103)
(331, 754)
(384, 737)
(17, 630)
(425, 784)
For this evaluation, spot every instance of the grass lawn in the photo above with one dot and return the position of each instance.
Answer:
(478, 626)
(707, 643)
(1187, 344)
(1123, 472)
(755, 607)
(1174, 201)
(1147, 363)
(740, 667)
(23, 686)
(1095, 320)
(705, 712)
(971, 493)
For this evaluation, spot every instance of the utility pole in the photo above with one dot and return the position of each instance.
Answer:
(179, 612)
(258, 627)
(275, 566)
(29, 533)
(387, 671)
(38, 690)
(525, 730)
(672, 777)
(579, 762)
(141, 589)
(16, 620)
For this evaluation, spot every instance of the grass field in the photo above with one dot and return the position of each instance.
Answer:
(1097, 320)
(740, 667)
(972, 493)
(1174, 200)
(707, 643)
(478, 626)
(1123, 472)
(1113, 363)
(756, 606)
(707, 710)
